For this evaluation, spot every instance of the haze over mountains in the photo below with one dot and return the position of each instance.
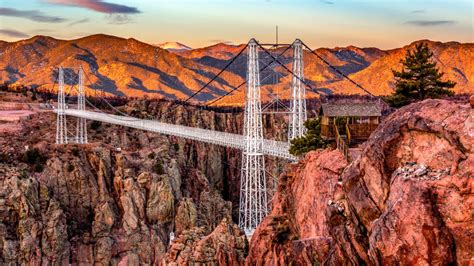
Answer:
(127, 67)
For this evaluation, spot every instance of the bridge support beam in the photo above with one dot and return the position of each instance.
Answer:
(253, 189)
(298, 97)
(81, 130)
(61, 127)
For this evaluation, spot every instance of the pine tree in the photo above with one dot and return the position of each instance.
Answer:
(419, 79)
(311, 140)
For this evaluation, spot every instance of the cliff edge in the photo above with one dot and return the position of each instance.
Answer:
(409, 198)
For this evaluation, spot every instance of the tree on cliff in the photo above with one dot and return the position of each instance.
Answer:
(419, 79)
(311, 140)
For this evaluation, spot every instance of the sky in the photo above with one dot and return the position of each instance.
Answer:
(320, 23)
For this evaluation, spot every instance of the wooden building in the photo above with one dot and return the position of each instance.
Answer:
(349, 121)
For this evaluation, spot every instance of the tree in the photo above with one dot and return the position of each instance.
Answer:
(419, 78)
(311, 140)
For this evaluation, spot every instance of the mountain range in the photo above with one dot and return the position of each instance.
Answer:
(128, 67)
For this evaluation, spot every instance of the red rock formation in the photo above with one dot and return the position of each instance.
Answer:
(226, 245)
(407, 200)
(297, 230)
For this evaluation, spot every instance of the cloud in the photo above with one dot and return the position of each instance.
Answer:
(98, 6)
(39, 31)
(418, 11)
(429, 23)
(221, 41)
(13, 33)
(85, 20)
(119, 19)
(327, 2)
(34, 15)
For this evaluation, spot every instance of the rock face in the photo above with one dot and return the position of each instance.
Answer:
(407, 200)
(226, 245)
(99, 204)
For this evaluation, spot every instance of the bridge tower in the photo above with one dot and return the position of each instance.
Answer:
(81, 130)
(253, 191)
(298, 97)
(61, 127)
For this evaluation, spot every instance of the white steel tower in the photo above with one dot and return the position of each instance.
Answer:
(253, 191)
(81, 130)
(298, 97)
(61, 128)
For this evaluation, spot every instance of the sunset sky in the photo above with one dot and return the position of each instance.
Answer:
(320, 23)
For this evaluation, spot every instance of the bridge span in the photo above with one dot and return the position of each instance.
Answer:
(269, 147)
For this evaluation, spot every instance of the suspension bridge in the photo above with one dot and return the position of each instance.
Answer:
(253, 191)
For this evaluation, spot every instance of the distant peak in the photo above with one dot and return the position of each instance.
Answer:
(174, 46)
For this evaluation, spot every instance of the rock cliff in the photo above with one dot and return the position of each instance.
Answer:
(407, 200)
(118, 198)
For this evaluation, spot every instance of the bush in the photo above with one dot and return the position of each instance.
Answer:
(311, 140)
(95, 125)
(75, 152)
(176, 146)
(151, 155)
(158, 168)
(34, 158)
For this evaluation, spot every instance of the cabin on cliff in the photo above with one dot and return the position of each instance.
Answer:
(351, 122)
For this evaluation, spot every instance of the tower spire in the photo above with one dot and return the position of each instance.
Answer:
(298, 95)
(61, 127)
(81, 130)
(253, 192)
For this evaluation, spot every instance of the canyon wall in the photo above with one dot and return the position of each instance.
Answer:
(407, 200)
(121, 198)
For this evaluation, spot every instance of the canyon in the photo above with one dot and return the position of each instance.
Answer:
(132, 197)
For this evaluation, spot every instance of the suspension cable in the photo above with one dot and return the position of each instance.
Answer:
(243, 83)
(111, 106)
(289, 70)
(218, 74)
(337, 70)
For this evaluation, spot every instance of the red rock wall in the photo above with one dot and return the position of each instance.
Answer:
(407, 200)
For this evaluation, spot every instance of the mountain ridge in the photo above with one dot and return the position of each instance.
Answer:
(126, 66)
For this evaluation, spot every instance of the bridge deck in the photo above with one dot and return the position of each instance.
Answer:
(270, 147)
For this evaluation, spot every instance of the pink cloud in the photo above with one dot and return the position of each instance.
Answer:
(98, 5)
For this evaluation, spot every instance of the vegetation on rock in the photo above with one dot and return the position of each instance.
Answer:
(311, 140)
(34, 158)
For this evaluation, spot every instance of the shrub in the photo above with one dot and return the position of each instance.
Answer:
(95, 125)
(34, 158)
(311, 140)
(151, 155)
(75, 152)
(176, 146)
(158, 168)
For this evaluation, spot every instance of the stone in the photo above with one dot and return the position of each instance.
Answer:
(406, 200)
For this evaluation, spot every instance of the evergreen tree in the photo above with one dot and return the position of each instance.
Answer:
(419, 79)
(311, 140)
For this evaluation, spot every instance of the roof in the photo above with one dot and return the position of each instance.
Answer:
(351, 109)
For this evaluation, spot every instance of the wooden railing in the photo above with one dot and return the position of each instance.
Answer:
(348, 133)
(361, 131)
(357, 131)
(341, 144)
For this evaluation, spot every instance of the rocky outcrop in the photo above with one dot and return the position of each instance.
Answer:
(226, 245)
(297, 230)
(116, 200)
(407, 200)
